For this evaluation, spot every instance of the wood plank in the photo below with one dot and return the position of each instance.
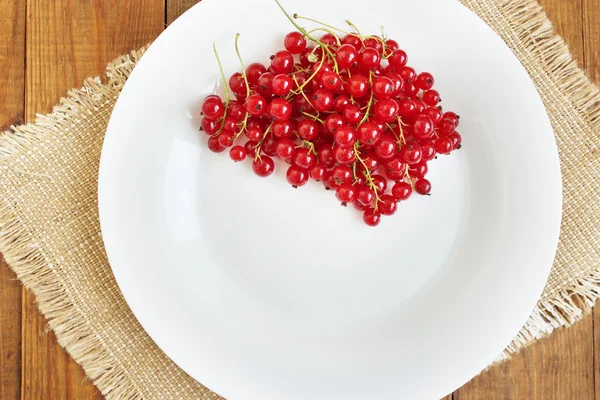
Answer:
(558, 367)
(177, 7)
(68, 41)
(12, 108)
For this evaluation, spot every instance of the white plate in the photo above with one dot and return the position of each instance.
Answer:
(263, 292)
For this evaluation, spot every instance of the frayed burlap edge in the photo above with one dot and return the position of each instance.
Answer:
(27, 259)
(529, 21)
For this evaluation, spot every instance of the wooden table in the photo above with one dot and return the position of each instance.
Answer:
(50, 46)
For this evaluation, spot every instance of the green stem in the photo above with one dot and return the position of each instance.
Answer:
(227, 94)
(367, 175)
(353, 26)
(296, 16)
(313, 117)
(237, 50)
(370, 103)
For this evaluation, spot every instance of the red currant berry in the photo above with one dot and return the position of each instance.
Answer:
(251, 148)
(435, 114)
(371, 163)
(383, 88)
(346, 193)
(447, 126)
(422, 127)
(329, 182)
(237, 153)
(456, 140)
(352, 114)
(398, 59)
(368, 133)
(322, 100)
(429, 151)
(431, 97)
(453, 117)
(369, 58)
(357, 86)
(296, 176)
(225, 138)
(423, 186)
(283, 129)
(214, 145)
(401, 191)
(329, 39)
(265, 84)
(397, 82)
(286, 149)
(213, 107)
(344, 155)
(282, 85)
(282, 62)
(372, 217)
(326, 156)
(263, 166)
(254, 133)
(443, 145)
(301, 105)
(280, 109)
(346, 56)
(345, 136)
(386, 148)
(269, 146)
(304, 158)
(308, 129)
(407, 108)
(236, 110)
(353, 40)
(419, 170)
(365, 196)
(318, 172)
(319, 69)
(387, 205)
(386, 110)
(342, 174)
(375, 43)
(237, 84)
(412, 153)
(391, 45)
(424, 81)
(395, 166)
(408, 74)
(340, 102)
(409, 90)
(380, 183)
(253, 72)
(256, 105)
(333, 122)
(294, 42)
(330, 80)
(210, 126)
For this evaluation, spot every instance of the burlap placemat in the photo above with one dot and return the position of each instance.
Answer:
(50, 234)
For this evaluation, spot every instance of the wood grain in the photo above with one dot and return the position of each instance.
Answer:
(68, 41)
(12, 108)
(177, 7)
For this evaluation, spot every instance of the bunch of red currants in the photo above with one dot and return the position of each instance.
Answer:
(342, 109)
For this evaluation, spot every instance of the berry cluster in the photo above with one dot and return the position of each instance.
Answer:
(343, 109)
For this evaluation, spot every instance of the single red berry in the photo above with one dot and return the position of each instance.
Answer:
(229, 124)
(346, 56)
(352, 114)
(423, 186)
(342, 174)
(396, 81)
(431, 97)
(310, 55)
(408, 74)
(418, 170)
(443, 145)
(282, 62)
(422, 127)
(237, 84)
(282, 85)
(283, 129)
(412, 153)
(369, 58)
(391, 45)
(237, 153)
(318, 172)
(401, 191)
(344, 155)
(386, 148)
(345, 136)
(407, 108)
(424, 81)
(452, 117)
(365, 196)
(387, 205)
(210, 126)
(340, 102)
(410, 90)
(225, 138)
(308, 129)
(331, 80)
(256, 105)
(446, 126)
(383, 88)
(346, 193)
(395, 166)
(319, 69)
(456, 140)
(213, 107)
(322, 100)
(236, 110)
(353, 40)
(294, 42)
(253, 72)
(326, 156)
(263, 166)
(434, 113)
(329, 182)
(387, 110)
(333, 122)
(357, 86)
(265, 84)
(254, 133)
(359, 206)
(304, 158)
(329, 39)
(368, 133)
(296, 176)
(286, 149)
(398, 59)
(380, 183)
(280, 109)
(269, 146)
(372, 217)
(300, 106)
(371, 163)
(214, 145)
(251, 148)
(375, 43)
(429, 150)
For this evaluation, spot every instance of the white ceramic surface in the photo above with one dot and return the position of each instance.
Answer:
(263, 292)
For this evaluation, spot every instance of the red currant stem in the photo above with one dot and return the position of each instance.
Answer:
(310, 78)
(354, 171)
(242, 127)
(309, 145)
(367, 174)
(259, 144)
(400, 139)
(407, 176)
(313, 117)
(323, 29)
(237, 51)
(227, 95)
(354, 27)
(296, 16)
(370, 103)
